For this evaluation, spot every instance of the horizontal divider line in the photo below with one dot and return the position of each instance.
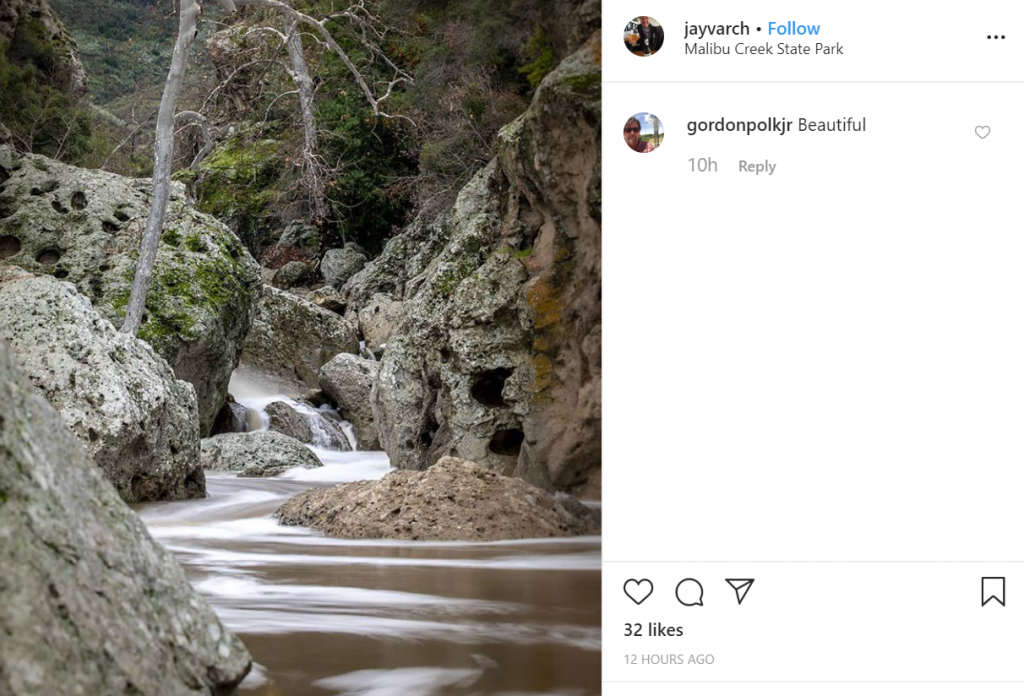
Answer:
(813, 82)
(819, 562)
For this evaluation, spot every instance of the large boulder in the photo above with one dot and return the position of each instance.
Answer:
(89, 603)
(455, 500)
(259, 453)
(292, 338)
(121, 400)
(348, 381)
(339, 265)
(84, 226)
(310, 426)
(496, 354)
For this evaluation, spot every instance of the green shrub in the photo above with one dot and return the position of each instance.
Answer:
(40, 117)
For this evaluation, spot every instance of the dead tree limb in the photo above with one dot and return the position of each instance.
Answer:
(311, 170)
(163, 157)
(164, 144)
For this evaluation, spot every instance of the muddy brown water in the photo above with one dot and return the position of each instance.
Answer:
(325, 616)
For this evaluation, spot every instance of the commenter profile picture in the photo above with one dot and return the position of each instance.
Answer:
(643, 36)
(643, 132)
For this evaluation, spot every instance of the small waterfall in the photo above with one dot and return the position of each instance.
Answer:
(346, 427)
(256, 394)
(315, 418)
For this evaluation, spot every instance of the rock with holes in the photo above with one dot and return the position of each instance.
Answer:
(115, 394)
(259, 453)
(347, 380)
(495, 353)
(339, 265)
(292, 339)
(89, 602)
(85, 226)
(455, 500)
(308, 426)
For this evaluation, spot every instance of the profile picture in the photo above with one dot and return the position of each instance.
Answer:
(643, 132)
(644, 36)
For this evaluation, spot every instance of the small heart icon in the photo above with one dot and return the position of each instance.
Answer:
(982, 131)
(638, 590)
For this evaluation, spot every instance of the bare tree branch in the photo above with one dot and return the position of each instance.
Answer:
(363, 21)
(321, 28)
(163, 156)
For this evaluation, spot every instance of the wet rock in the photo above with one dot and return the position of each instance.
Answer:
(233, 417)
(348, 380)
(455, 500)
(205, 283)
(257, 453)
(121, 400)
(289, 275)
(495, 355)
(309, 428)
(292, 338)
(339, 265)
(89, 603)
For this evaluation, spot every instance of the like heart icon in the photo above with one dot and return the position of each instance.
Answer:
(638, 590)
(982, 131)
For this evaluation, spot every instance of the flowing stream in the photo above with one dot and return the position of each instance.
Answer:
(382, 618)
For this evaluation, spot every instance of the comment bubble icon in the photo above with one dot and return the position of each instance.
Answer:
(690, 593)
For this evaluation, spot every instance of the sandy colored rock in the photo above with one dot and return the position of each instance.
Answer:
(89, 603)
(84, 226)
(455, 500)
(119, 398)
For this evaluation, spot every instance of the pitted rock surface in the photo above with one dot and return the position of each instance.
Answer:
(89, 603)
(119, 398)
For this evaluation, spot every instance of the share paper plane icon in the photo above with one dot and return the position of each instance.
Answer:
(742, 587)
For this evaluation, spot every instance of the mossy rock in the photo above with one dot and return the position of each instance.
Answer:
(238, 186)
(85, 226)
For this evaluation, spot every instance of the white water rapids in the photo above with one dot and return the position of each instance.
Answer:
(382, 618)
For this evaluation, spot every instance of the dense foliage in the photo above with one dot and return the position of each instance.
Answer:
(125, 44)
(39, 116)
(475, 64)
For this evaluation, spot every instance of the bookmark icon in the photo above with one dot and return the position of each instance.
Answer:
(993, 589)
(742, 587)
